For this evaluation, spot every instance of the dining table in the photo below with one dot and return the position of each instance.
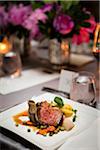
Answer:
(11, 141)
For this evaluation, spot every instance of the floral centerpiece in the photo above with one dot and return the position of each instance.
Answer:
(64, 20)
(68, 22)
(19, 20)
(52, 19)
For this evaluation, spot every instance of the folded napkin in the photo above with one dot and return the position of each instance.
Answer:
(28, 78)
(89, 139)
(80, 60)
(77, 60)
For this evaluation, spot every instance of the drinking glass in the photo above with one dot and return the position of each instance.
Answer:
(12, 64)
(96, 52)
(83, 88)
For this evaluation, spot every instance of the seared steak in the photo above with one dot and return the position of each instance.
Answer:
(45, 114)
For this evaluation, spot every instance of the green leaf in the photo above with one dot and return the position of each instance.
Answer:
(86, 24)
(49, 1)
(68, 4)
(36, 5)
(86, 16)
(59, 101)
(75, 2)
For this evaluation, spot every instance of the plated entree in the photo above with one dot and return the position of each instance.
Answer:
(47, 118)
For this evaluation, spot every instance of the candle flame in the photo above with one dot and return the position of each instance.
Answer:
(5, 46)
(65, 47)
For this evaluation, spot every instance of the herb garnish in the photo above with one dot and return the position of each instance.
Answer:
(75, 116)
(59, 101)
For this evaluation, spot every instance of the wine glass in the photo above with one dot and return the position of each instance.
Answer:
(96, 44)
(96, 47)
(96, 53)
(83, 88)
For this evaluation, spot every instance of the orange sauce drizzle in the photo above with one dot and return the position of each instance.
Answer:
(18, 121)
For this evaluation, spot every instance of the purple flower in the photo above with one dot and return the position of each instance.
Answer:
(17, 14)
(63, 24)
(3, 17)
(31, 23)
(47, 7)
(38, 14)
(34, 32)
(34, 18)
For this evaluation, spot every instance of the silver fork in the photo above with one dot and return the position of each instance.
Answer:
(51, 90)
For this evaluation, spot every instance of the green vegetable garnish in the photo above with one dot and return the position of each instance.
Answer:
(74, 118)
(59, 101)
(74, 110)
(43, 126)
(51, 133)
(62, 128)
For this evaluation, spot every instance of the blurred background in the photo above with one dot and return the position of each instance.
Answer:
(40, 38)
(51, 33)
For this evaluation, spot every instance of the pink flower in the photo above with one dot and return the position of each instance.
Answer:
(34, 17)
(31, 23)
(17, 14)
(38, 14)
(3, 17)
(47, 7)
(82, 37)
(34, 32)
(92, 21)
(63, 24)
(84, 33)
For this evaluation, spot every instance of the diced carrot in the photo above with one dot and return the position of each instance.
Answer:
(42, 131)
(17, 120)
(25, 113)
(29, 123)
(51, 128)
(47, 130)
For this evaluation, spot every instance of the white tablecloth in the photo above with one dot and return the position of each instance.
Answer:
(86, 140)
(28, 79)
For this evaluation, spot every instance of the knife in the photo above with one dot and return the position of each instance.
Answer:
(51, 90)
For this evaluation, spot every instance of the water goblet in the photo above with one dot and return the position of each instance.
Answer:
(83, 88)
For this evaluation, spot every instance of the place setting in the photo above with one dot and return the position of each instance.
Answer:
(78, 118)
(49, 75)
(62, 118)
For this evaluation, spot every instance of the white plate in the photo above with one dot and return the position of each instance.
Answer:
(87, 140)
(85, 116)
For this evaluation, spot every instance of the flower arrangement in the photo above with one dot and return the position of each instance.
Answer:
(53, 19)
(68, 22)
(12, 19)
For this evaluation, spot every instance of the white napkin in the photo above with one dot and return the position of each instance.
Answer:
(89, 139)
(79, 59)
(28, 78)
